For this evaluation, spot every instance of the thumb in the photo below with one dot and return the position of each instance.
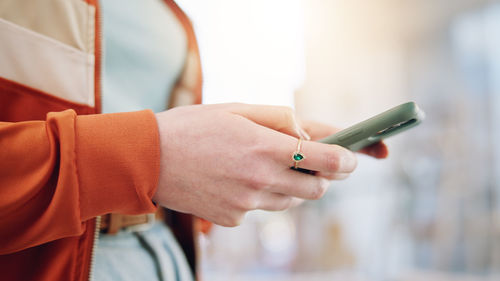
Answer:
(279, 118)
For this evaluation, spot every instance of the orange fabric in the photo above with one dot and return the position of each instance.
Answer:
(22, 103)
(60, 168)
(63, 259)
(118, 163)
(203, 226)
(77, 168)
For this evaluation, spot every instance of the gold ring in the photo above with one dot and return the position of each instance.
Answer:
(297, 155)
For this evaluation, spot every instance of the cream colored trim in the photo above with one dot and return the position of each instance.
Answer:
(68, 21)
(43, 63)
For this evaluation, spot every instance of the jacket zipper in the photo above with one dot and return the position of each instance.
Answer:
(94, 247)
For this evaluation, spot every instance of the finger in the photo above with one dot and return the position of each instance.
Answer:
(333, 176)
(271, 201)
(296, 201)
(319, 156)
(279, 118)
(292, 183)
(378, 150)
(317, 130)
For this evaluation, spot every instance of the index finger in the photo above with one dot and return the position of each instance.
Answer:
(279, 118)
(318, 130)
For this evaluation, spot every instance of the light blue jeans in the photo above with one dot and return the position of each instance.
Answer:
(150, 255)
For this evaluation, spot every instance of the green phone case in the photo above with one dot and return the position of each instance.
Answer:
(381, 126)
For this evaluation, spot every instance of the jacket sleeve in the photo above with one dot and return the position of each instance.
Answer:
(56, 174)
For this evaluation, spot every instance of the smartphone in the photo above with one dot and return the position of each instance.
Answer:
(386, 124)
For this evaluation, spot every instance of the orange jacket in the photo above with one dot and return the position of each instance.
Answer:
(62, 165)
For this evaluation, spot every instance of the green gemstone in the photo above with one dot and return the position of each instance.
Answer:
(298, 157)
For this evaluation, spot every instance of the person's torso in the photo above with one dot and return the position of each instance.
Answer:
(144, 53)
(145, 50)
(50, 60)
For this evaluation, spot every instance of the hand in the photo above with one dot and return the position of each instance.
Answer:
(317, 131)
(220, 161)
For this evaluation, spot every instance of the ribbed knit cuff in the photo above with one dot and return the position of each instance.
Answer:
(118, 162)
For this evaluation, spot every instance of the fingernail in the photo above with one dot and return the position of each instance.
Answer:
(325, 184)
(350, 160)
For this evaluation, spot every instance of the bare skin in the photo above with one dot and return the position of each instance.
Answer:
(220, 161)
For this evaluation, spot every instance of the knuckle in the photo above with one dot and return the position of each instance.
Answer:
(247, 202)
(256, 183)
(288, 116)
(260, 147)
(258, 180)
(332, 161)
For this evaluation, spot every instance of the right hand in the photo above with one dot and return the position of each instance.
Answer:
(220, 161)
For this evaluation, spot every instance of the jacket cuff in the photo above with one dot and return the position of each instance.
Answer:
(118, 163)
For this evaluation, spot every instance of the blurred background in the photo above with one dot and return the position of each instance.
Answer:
(429, 212)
